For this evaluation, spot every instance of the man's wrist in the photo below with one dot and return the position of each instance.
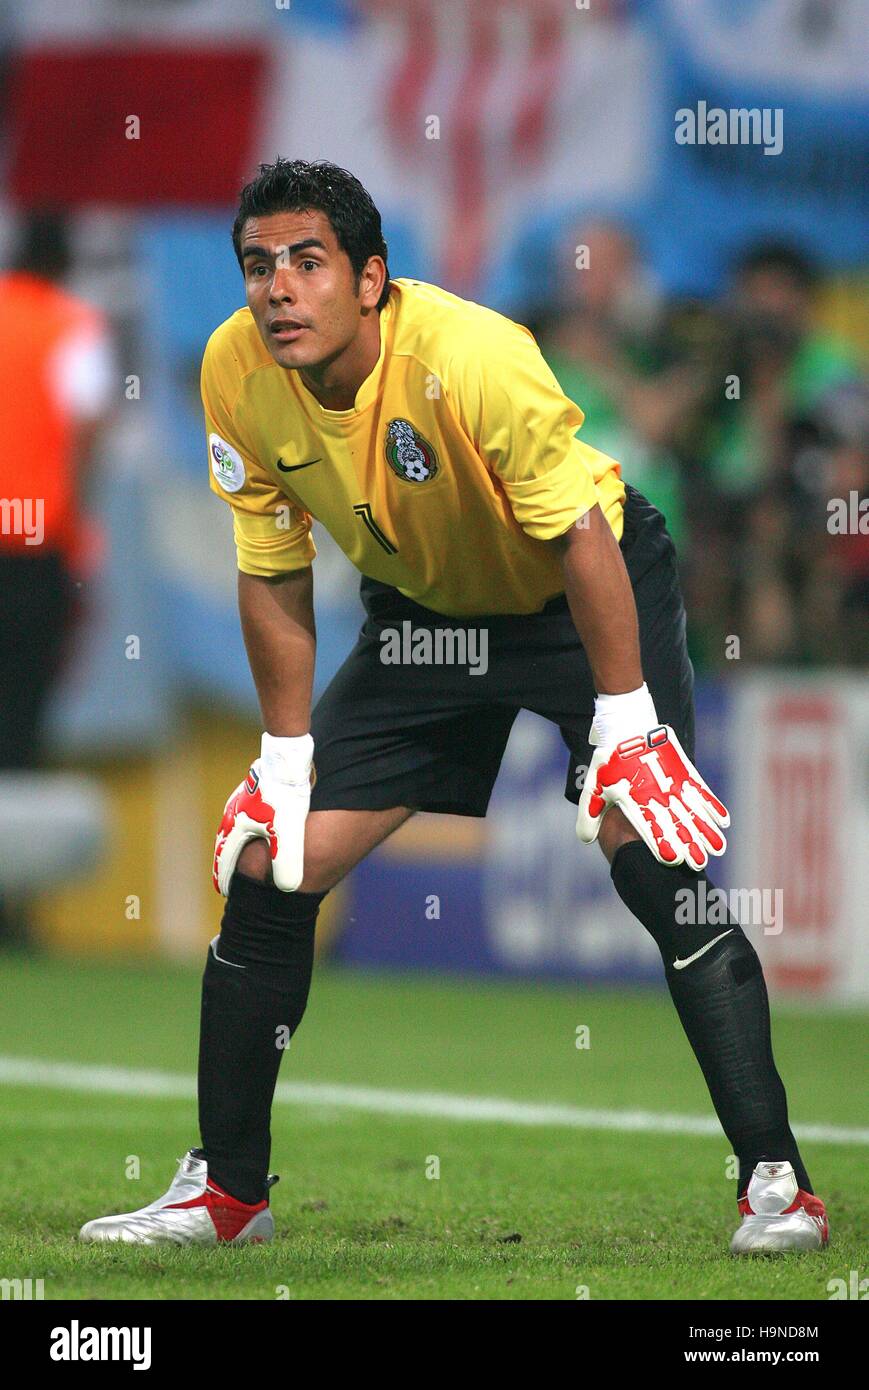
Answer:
(621, 716)
(287, 759)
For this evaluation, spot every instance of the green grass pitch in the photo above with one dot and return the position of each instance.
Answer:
(516, 1213)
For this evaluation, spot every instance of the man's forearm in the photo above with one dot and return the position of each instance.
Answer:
(602, 604)
(277, 621)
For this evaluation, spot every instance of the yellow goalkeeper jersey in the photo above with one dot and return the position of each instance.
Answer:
(456, 463)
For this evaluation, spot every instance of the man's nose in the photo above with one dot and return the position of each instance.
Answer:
(281, 289)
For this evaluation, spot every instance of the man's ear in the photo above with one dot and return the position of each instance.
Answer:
(371, 281)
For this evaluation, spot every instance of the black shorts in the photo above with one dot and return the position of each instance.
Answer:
(432, 736)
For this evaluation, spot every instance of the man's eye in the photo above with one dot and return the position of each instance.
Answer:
(255, 270)
(315, 264)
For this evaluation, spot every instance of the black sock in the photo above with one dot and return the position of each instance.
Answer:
(254, 993)
(722, 1003)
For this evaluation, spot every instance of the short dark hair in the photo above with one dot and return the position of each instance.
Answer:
(782, 258)
(294, 185)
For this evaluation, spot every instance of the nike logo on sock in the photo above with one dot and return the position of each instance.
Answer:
(680, 964)
(214, 942)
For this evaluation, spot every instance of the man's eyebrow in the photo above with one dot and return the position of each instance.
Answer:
(285, 250)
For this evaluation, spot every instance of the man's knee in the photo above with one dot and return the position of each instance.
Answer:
(335, 840)
(255, 861)
(615, 831)
(320, 875)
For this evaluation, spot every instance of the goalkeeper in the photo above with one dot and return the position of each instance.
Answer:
(428, 436)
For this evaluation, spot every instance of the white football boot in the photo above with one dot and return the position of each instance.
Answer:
(777, 1215)
(195, 1211)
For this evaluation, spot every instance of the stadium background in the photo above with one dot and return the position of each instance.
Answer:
(496, 138)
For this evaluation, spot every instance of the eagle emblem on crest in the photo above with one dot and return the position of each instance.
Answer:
(409, 454)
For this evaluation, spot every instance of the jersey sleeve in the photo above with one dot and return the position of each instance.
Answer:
(272, 533)
(524, 428)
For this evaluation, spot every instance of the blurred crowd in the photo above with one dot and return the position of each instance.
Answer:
(746, 421)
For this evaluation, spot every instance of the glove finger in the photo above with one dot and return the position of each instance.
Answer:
(587, 825)
(698, 809)
(695, 852)
(227, 851)
(289, 854)
(655, 829)
(714, 808)
(670, 848)
(592, 804)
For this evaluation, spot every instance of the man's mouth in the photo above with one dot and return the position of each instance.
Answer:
(286, 330)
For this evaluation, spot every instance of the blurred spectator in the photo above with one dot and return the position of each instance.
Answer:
(603, 341)
(56, 381)
(831, 485)
(785, 366)
(744, 478)
(765, 570)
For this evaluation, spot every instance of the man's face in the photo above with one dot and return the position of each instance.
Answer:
(774, 297)
(300, 287)
(609, 275)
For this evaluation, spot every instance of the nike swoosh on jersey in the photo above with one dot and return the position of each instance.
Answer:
(294, 467)
(680, 964)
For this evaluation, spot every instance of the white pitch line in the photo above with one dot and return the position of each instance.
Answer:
(433, 1105)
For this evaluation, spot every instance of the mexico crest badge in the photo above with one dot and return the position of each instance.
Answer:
(409, 454)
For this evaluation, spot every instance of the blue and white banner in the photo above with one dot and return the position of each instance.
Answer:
(802, 69)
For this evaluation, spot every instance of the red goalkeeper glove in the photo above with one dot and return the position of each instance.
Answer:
(652, 781)
(271, 804)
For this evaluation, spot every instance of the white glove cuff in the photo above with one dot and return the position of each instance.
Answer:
(622, 716)
(287, 760)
